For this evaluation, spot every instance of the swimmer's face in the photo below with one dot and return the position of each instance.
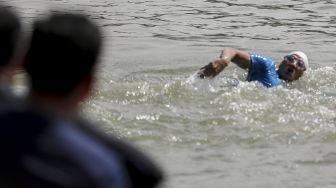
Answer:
(291, 68)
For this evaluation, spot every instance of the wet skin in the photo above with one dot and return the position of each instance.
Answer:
(291, 69)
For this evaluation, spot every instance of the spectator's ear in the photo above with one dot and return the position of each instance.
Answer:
(85, 87)
(17, 61)
(88, 82)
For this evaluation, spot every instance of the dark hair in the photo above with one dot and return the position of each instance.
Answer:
(63, 50)
(10, 27)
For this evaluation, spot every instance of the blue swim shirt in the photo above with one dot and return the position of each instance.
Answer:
(263, 70)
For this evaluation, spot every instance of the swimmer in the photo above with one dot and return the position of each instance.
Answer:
(260, 68)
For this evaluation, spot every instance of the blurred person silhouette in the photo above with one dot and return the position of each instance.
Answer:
(10, 35)
(46, 143)
(260, 68)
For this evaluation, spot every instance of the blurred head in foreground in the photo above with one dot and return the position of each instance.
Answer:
(44, 143)
(10, 35)
(62, 57)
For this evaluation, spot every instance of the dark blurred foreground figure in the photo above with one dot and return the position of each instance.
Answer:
(45, 143)
(10, 34)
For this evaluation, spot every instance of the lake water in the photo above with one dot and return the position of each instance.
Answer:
(223, 132)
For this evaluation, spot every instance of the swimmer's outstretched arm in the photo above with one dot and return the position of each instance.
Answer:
(238, 57)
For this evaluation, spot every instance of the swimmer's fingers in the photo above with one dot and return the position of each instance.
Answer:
(212, 69)
(206, 71)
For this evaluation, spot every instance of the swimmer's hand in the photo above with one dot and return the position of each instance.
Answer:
(212, 69)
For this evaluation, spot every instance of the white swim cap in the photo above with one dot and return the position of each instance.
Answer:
(303, 56)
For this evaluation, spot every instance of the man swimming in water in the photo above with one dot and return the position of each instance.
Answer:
(260, 68)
